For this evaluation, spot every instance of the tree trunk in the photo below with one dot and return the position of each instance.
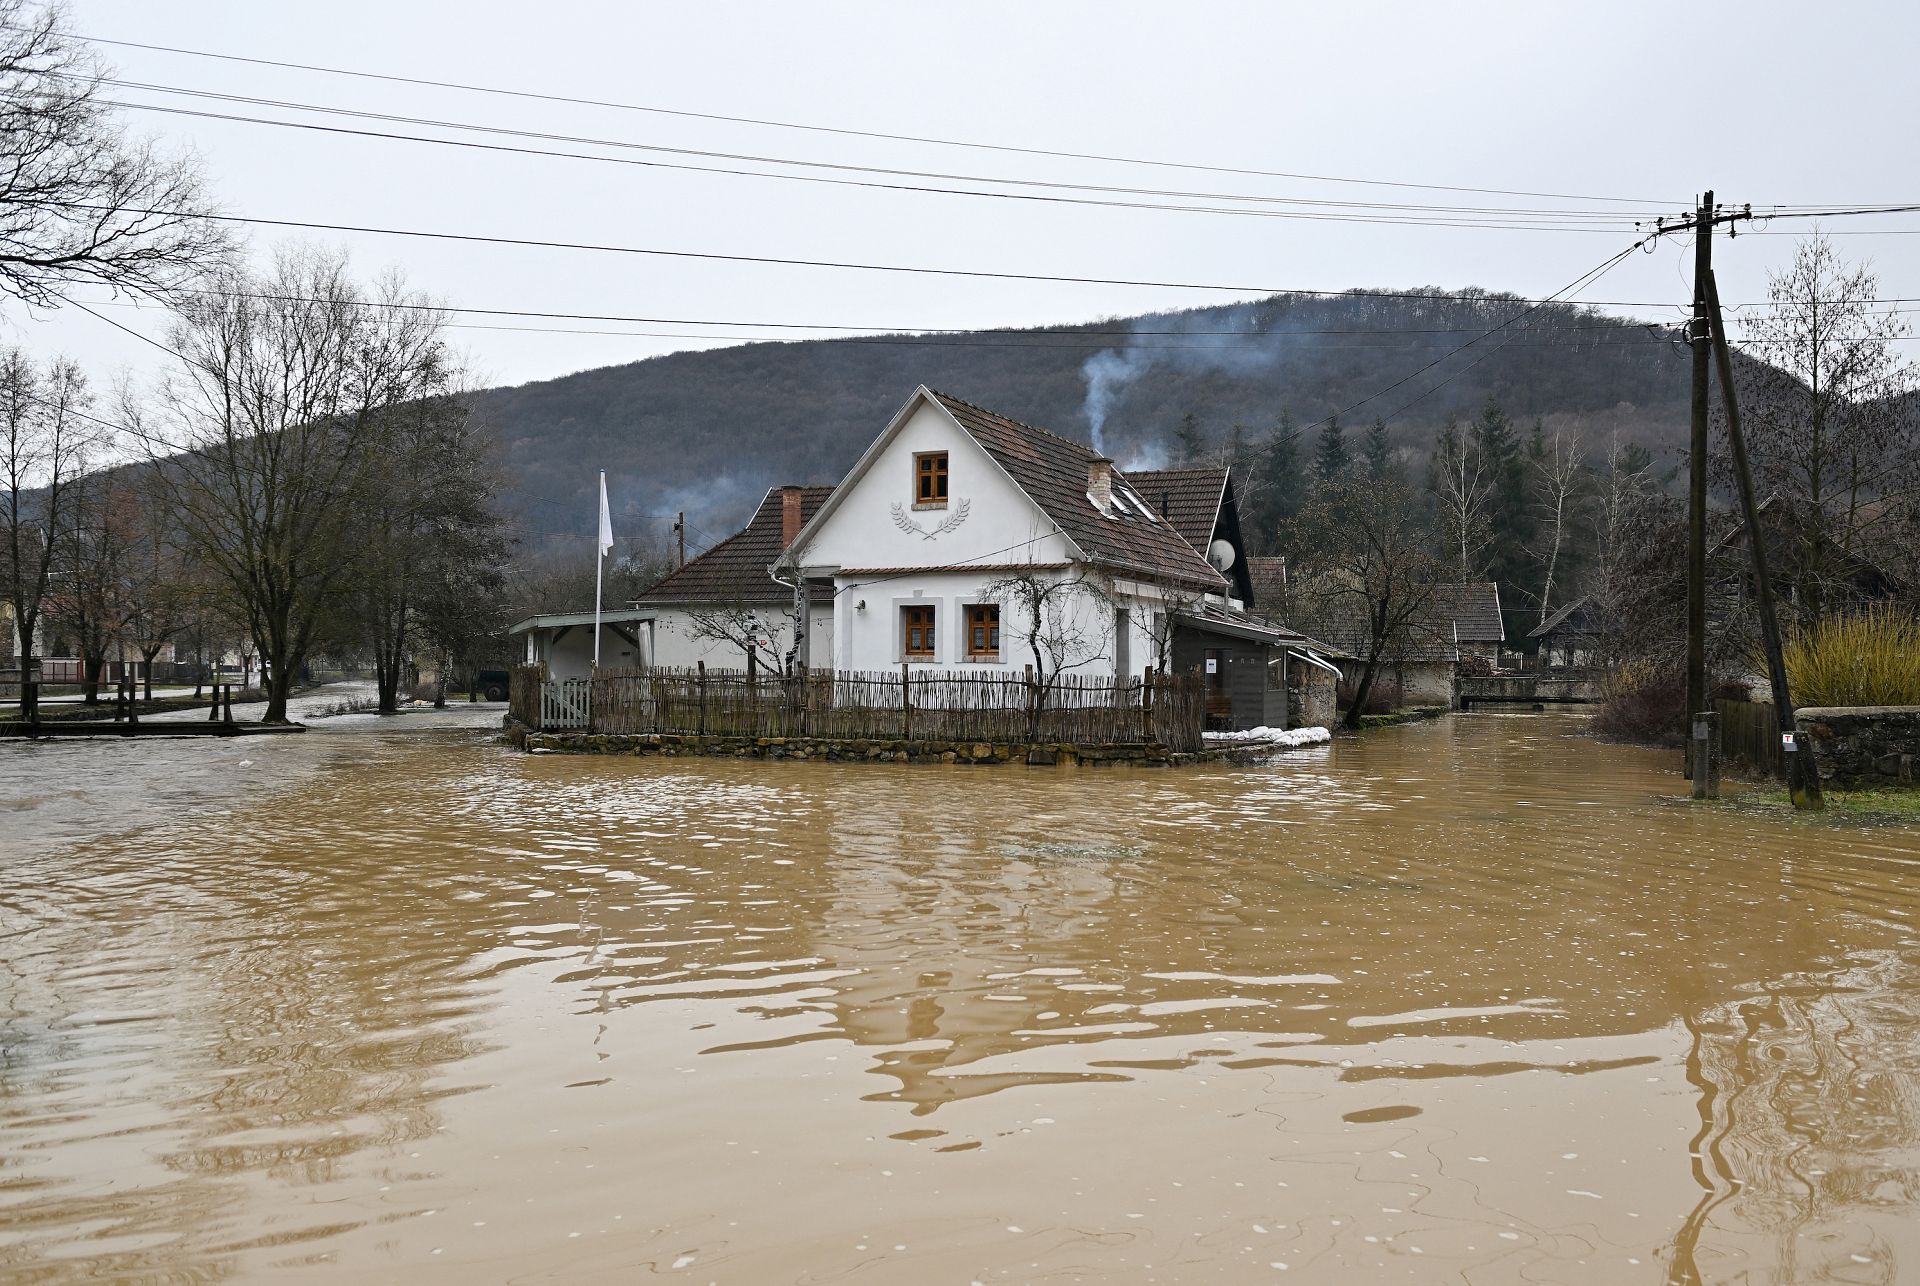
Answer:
(1362, 693)
(147, 681)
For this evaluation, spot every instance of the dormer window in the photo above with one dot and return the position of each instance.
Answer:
(930, 480)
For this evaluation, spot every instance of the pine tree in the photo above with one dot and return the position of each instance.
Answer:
(1190, 442)
(1330, 458)
(1510, 514)
(1378, 453)
(1279, 487)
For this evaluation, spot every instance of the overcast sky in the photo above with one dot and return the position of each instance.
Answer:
(1769, 103)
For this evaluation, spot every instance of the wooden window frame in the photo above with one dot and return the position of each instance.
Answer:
(928, 628)
(930, 480)
(992, 651)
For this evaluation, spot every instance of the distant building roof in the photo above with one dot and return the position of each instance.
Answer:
(1473, 609)
(1462, 612)
(1269, 577)
(735, 570)
(1052, 470)
(1187, 498)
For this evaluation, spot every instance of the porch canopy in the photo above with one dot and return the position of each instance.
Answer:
(563, 641)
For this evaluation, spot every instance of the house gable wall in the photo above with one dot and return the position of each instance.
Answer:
(863, 531)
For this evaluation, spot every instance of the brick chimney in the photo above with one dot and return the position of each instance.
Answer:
(1100, 483)
(789, 515)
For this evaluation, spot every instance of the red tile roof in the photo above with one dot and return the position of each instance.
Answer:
(1052, 470)
(735, 570)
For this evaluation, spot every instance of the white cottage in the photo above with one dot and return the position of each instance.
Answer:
(956, 520)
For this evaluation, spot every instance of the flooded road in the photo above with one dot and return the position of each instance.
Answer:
(1462, 1001)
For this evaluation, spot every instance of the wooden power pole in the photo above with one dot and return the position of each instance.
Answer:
(1697, 489)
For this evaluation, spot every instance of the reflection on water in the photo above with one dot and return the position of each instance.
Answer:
(1465, 1000)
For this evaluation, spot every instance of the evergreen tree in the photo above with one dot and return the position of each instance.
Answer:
(1510, 511)
(1378, 453)
(1279, 487)
(1330, 458)
(1190, 443)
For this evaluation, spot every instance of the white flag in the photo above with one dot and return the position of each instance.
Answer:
(606, 519)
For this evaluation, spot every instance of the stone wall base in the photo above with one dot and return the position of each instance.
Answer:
(1115, 754)
(1860, 747)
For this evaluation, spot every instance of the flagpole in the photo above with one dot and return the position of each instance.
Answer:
(599, 563)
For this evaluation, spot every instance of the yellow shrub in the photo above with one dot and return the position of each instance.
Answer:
(1871, 658)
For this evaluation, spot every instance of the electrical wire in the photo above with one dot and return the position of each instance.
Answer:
(848, 132)
(943, 176)
(1624, 224)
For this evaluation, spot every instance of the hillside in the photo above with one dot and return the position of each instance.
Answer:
(709, 431)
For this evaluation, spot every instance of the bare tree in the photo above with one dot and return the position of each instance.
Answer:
(287, 386)
(80, 200)
(1558, 476)
(1834, 443)
(1064, 618)
(46, 447)
(1365, 556)
(156, 576)
(1463, 485)
(754, 630)
(92, 602)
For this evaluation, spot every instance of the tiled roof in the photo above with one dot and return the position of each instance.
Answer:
(735, 570)
(1474, 609)
(1052, 470)
(1269, 578)
(1187, 498)
(1465, 612)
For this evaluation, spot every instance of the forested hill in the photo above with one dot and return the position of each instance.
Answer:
(707, 432)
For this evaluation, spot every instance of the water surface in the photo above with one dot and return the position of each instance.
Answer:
(1465, 1001)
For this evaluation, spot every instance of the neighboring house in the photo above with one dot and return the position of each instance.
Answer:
(1570, 639)
(1199, 503)
(726, 601)
(1460, 631)
(1313, 673)
(956, 515)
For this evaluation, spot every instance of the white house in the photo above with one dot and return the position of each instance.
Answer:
(957, 520)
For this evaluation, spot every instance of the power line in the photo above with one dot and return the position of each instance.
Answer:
(1105, 189)
(858, 133)
(1164, 207)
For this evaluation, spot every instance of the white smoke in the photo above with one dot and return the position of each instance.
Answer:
(1228, 340)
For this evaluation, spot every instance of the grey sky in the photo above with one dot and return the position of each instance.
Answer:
(1552, 98)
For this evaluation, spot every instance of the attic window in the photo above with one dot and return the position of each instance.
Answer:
(930, 479)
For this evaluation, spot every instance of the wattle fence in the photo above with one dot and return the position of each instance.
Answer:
(909, 705)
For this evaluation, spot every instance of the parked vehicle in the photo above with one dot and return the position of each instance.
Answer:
(491, 684)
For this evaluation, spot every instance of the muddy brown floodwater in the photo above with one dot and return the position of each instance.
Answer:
(1465, 1001)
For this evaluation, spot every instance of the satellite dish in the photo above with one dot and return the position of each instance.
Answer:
(1221, 554)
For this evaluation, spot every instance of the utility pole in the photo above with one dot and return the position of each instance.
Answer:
(680, 533)
(1701, 337)
(1697, 486)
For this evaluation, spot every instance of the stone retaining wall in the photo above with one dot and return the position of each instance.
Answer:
(1123, 754)
(1862, 746)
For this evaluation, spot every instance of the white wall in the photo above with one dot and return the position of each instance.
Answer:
(677, 642)
(870, 636)
(863, 532)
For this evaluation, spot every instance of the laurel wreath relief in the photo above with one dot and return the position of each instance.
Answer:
(952, 521)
